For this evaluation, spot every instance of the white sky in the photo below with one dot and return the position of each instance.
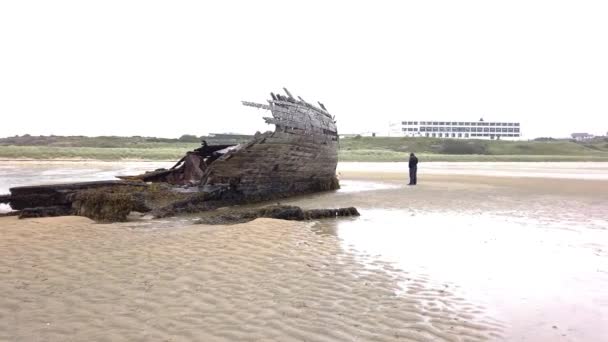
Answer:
(167, 68)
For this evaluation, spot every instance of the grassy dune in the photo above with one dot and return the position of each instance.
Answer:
(392, 156)
(397, 149)
(351, 149)
(99, 153)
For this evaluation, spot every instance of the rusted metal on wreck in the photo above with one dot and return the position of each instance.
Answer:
(300, 156)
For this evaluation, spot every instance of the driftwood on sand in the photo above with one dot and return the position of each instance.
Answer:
(300, 156)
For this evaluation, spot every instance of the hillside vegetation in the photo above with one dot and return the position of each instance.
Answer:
(351, 149)
(474, 146)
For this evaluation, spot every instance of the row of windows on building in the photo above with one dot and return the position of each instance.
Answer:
(467, 135)
(462, 129)
(454, 123)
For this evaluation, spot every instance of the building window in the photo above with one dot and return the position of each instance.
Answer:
(510, 129)
(415, 129)
(453, 135)
(516, 130)
(433, 135)
(504, 129)
(517, 124)
(415, 122)
(466, 135)
(426, 135)
(403, 123)
(460, 135)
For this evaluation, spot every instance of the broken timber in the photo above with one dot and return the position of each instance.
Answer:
(300, 156)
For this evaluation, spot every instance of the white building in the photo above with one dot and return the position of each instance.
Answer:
(457, 129)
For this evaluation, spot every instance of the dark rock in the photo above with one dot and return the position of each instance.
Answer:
(327, 213)
(283, 212)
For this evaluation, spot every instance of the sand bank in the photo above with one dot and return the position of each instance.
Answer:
(69, 279)
(502, 253)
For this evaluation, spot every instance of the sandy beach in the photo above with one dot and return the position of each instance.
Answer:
(460, 257)
(70, 279)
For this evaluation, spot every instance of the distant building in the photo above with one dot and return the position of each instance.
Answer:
(458, 129)
(581, 136)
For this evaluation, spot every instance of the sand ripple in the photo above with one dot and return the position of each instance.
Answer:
(267, 280)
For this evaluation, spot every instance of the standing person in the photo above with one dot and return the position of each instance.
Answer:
(413, 164)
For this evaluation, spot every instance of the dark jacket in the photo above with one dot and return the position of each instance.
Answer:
(413, 162)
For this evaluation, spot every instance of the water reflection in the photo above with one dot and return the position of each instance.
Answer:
(524, 269)
(558, 170)
(350, 186)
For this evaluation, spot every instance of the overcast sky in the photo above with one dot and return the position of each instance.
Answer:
(167, 68)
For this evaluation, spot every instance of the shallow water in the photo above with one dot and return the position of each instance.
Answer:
(22, 173)
(36, 173)
(544, 282)
(534, 258)
(561, 170)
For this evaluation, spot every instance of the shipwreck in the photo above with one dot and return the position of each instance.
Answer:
(300, 156)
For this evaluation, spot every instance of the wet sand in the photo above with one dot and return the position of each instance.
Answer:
(460, 257)
(68, 279)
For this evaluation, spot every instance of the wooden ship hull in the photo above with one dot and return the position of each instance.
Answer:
(300, 156)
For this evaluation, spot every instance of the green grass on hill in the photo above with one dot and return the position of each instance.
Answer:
(474, 146)
(52, 152)
(351, 149)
